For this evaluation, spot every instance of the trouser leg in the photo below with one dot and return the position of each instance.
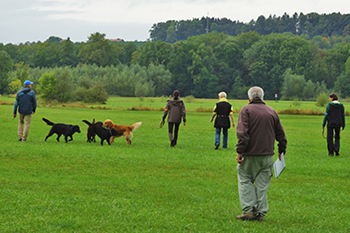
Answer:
(336, 139)
(225, 137)
(262, 183)
(170, 130)
(176, 132)
(217, 136)
(246, 187)
(254, 177)
(20, 125)
(27, 121)
(330, 145)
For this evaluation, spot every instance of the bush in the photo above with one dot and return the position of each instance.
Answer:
(322, 100)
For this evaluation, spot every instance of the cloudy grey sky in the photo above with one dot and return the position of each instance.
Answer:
(37, 20)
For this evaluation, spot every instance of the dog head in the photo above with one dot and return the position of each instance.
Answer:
(75, 129)
(114, 132)
(108, 124)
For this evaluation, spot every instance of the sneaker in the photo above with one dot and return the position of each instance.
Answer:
(20, 139)
(172, 143)
(248, 216)
(217, 146)
(330, 154)
(337, 153)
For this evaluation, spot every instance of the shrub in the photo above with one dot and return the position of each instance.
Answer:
(322, 100)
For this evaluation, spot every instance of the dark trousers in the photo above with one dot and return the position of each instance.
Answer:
(333, 146)
(171, 129)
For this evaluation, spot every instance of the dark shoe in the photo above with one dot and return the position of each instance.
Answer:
(217, 146)
(330, 154)
(172, 143)
(20, 139)
(259, 218)
(248, 216)
(337, 153)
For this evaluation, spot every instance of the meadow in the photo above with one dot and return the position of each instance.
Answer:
(151, 187)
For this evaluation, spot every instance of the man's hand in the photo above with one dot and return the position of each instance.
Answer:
(14, 115)
(184, 123)
(279, 155)
(233, 125)
(239, 158)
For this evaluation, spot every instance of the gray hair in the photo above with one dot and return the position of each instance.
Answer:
(222, 94)
(256, 92)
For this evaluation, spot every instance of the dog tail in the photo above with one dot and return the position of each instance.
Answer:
(86, 122)
(135, 126)
(48, 122)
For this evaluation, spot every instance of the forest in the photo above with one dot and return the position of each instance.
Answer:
(283, 62)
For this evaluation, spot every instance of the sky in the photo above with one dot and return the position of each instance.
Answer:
(24, 21)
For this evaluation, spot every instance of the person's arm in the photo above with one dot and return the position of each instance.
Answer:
(183, 112)
(325, 116)
(233, 120)
(165, 112)
(280, 137)
(212, 117)
(242, 129)
(343, 118)
(15, 108)
(34, 103)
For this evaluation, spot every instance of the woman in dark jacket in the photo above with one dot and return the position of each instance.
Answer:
(175, 107)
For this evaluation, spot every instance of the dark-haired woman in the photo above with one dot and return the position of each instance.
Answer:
(335, 118)
(175, 107)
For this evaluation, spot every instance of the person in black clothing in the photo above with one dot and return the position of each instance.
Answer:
(222, 110)
(335, 118)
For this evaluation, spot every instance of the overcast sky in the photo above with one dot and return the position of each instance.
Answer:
(37, 20)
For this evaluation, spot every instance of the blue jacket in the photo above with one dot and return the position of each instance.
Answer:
(26, 101)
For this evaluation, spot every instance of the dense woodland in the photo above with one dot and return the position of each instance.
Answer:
(284, 62)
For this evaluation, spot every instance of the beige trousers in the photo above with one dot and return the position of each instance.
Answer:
(23, 126)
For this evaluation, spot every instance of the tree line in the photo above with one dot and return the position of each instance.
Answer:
(307, 26)
(201, 66)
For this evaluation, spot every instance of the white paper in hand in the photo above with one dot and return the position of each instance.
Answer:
(279, 165)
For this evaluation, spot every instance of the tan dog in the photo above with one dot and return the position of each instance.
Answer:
(124, 130)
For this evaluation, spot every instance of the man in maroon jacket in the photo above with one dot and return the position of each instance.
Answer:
(257, 129)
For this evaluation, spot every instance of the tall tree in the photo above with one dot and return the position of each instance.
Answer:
(6, 65)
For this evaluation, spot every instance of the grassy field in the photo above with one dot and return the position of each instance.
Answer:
(152, 187)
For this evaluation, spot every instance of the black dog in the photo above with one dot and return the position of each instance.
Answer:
(91, 131)
(103, 133)
(59, 129)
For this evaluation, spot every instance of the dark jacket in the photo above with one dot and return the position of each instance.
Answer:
(176, 110)
(223, 109)
(26, 101)
(258, 127)
(335, 115)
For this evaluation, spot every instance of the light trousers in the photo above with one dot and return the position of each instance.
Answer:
(23, 126)
(254, 178)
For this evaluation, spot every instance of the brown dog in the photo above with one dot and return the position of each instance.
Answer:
(125, 130)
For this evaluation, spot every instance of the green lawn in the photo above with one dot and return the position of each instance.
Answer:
(152, 187)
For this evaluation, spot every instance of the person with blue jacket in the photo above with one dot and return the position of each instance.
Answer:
(335, 118)
(26, 104)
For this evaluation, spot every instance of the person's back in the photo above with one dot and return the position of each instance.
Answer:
(175, 110)
(26, 101)
(262, 124)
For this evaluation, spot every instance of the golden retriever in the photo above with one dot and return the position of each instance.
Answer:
(125, 130)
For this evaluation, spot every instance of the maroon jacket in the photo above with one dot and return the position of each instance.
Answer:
(257, 129)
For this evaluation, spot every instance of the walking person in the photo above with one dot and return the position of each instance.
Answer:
(26, 104)
(222, 111)
(258, 127)
(335, 118)
(175, 107)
